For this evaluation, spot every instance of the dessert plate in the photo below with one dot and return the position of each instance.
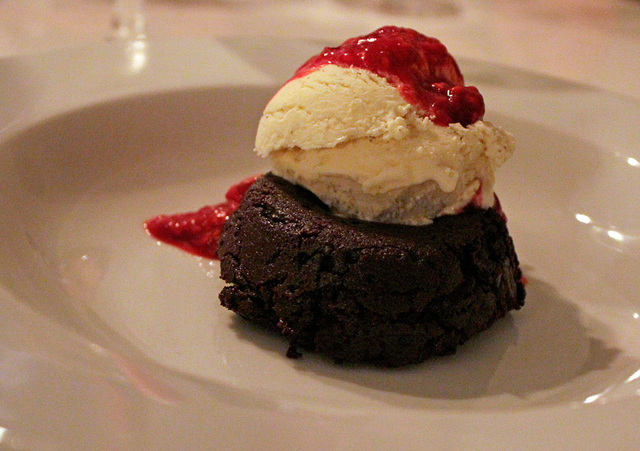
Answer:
(108, 339)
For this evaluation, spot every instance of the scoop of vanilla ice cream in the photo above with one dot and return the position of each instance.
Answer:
(348, 136)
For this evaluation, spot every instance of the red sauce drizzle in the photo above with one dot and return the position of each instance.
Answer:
(420, 67)
(198, 232)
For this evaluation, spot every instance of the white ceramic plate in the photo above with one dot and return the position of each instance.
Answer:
(108, 340)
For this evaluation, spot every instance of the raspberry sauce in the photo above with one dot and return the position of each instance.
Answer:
(198, 232)
(420, 67)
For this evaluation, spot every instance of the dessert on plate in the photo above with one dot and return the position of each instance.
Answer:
(376, 237)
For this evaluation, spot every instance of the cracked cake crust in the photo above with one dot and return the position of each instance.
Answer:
(360, 291)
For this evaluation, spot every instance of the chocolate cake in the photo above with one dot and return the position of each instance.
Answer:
(359, 291)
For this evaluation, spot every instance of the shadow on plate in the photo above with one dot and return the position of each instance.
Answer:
(138, 142)
(542, 354)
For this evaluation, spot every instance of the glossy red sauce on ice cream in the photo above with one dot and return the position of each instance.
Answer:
(198, 232)
(420, 67)
(422, 70)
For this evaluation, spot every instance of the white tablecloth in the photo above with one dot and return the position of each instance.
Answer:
(596, 42)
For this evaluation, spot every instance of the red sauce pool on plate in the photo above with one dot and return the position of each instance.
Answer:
(198, 232)
(420, 67)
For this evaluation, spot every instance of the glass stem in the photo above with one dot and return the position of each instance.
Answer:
(128, 19)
